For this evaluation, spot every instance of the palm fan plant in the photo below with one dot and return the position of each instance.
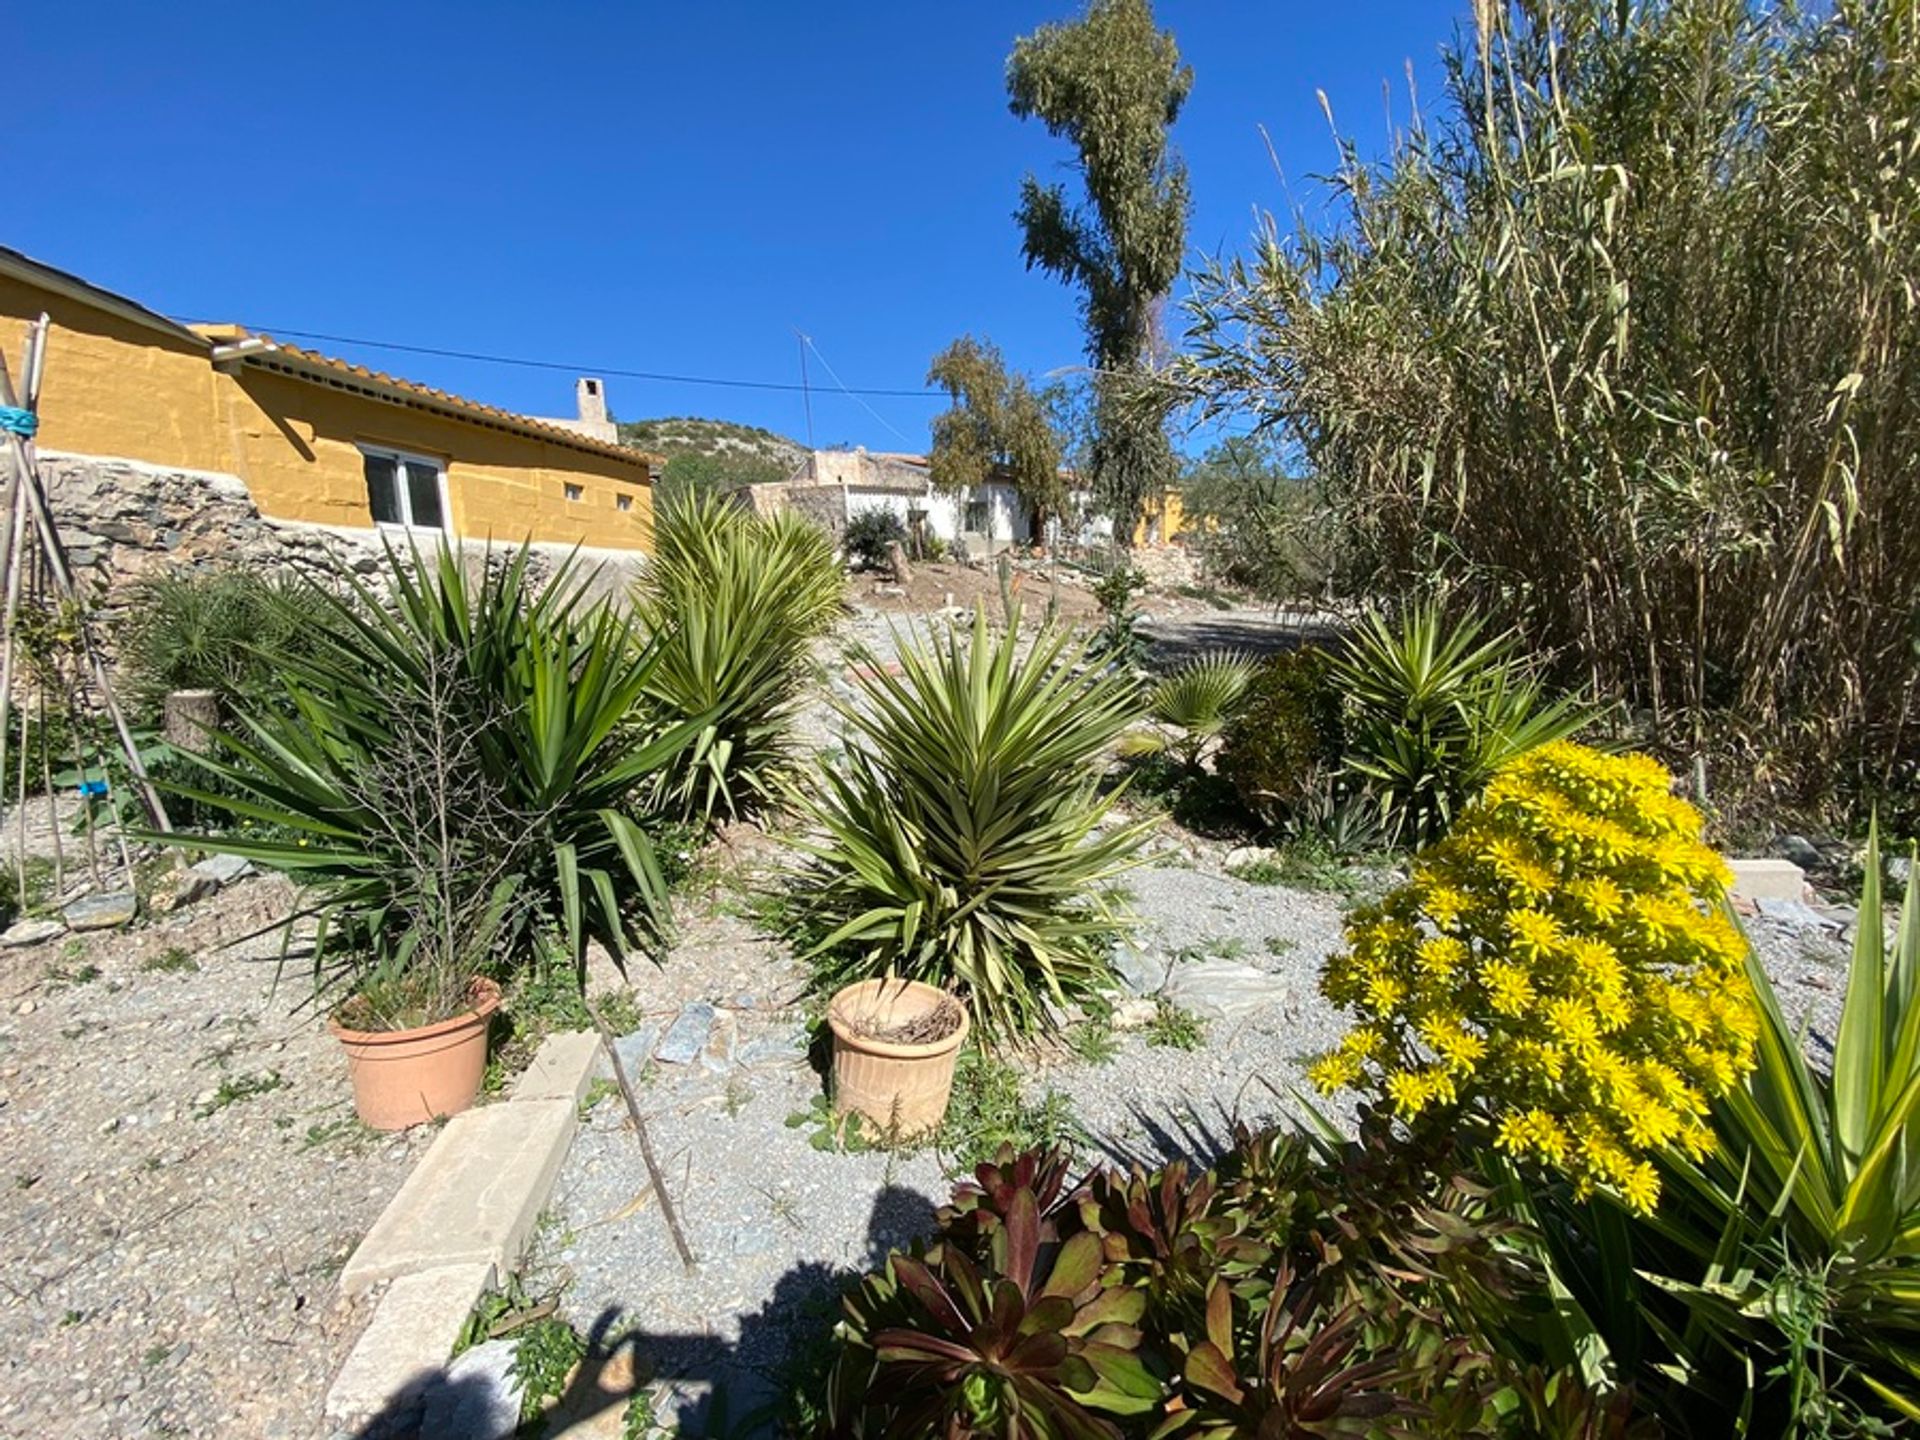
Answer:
(1194, 703)
(965, 842)
(458, 753)
(733, 601)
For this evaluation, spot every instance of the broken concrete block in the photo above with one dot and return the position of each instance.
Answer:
(402, 1354)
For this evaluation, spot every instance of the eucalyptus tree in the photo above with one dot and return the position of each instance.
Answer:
(1111, 83)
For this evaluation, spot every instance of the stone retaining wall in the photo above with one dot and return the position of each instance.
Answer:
(120, 518)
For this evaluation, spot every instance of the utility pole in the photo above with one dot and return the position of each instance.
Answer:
(806, 391)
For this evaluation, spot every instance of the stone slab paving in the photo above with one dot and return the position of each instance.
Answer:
(402, 1354)
(473, 1197)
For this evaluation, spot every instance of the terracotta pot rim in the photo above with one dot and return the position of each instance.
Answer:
(845, 1034)
(489, 1001)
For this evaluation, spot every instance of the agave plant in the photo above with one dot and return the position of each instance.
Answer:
(733, 601)
(1437, 708)
(965, 842)
(1026, 1340)
(1194, 703)
(514, 707)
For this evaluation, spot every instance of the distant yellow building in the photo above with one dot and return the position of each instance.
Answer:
(1161, 519)
(317, 441)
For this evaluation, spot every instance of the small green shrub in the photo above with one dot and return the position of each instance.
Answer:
(1285, 738)
(870, 536)
(1116, 641)
(990, 1109)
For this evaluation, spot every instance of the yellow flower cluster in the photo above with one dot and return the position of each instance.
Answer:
(1563, 960)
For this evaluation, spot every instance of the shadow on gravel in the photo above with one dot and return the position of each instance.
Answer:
(704, 1386)
(1172, 642)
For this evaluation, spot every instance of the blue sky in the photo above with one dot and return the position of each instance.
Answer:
(670, 188)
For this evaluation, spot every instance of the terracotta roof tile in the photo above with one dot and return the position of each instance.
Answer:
(458, 404)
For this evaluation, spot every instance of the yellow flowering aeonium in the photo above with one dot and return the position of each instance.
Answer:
(1563, 961)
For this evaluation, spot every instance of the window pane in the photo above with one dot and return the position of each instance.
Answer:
(423, 495)
(383, 498)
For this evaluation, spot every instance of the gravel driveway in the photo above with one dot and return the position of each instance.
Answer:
(183, 1178)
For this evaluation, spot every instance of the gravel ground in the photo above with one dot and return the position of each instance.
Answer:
(168, 1247)
(1152, 1102)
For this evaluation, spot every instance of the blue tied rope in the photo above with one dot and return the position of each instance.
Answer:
(21, 422)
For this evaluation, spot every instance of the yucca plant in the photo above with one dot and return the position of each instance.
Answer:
(455, 752)
(1193, 704)
(1436, 708)
(965, 841)
(733, 602)
(1815, 1183)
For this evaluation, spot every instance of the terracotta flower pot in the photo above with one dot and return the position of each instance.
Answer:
(899, 1086)
(406, 1077)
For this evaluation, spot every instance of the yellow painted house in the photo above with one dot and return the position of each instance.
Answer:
(317, 441)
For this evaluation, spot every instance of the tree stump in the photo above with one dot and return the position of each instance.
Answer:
(897, 562)
(191, 718)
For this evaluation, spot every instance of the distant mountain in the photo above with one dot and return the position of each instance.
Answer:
(714, 454)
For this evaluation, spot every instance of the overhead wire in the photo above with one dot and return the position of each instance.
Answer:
(609, 370)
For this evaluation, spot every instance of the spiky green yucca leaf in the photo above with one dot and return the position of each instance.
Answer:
(965, 843)
(734, 600)
(1809, 1204)
(1437, 709)
(540, 691)
(1197, 699)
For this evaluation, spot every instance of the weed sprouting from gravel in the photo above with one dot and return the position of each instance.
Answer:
(1175, 1029)
(547, 1351)
(1281, 945)
(1093, 1041)
(234, 1089)
(62, 977)
(174, 960)
(988, 1110)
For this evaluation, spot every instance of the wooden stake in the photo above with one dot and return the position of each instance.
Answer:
(646, 1141)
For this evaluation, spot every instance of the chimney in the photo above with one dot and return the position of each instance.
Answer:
(590, 395)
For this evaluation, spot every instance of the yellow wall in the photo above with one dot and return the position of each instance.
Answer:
(1164, 513)
(115, 387)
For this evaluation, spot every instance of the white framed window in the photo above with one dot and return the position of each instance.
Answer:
(405, 492)
(623, 502)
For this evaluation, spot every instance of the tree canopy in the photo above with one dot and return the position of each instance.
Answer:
(997, 428)
(1111, 84)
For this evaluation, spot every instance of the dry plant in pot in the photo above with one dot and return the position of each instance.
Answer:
(895, 1044)
(418, 1000)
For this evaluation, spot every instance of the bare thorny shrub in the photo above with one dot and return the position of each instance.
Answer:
(460, 846)
(1625, 349)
